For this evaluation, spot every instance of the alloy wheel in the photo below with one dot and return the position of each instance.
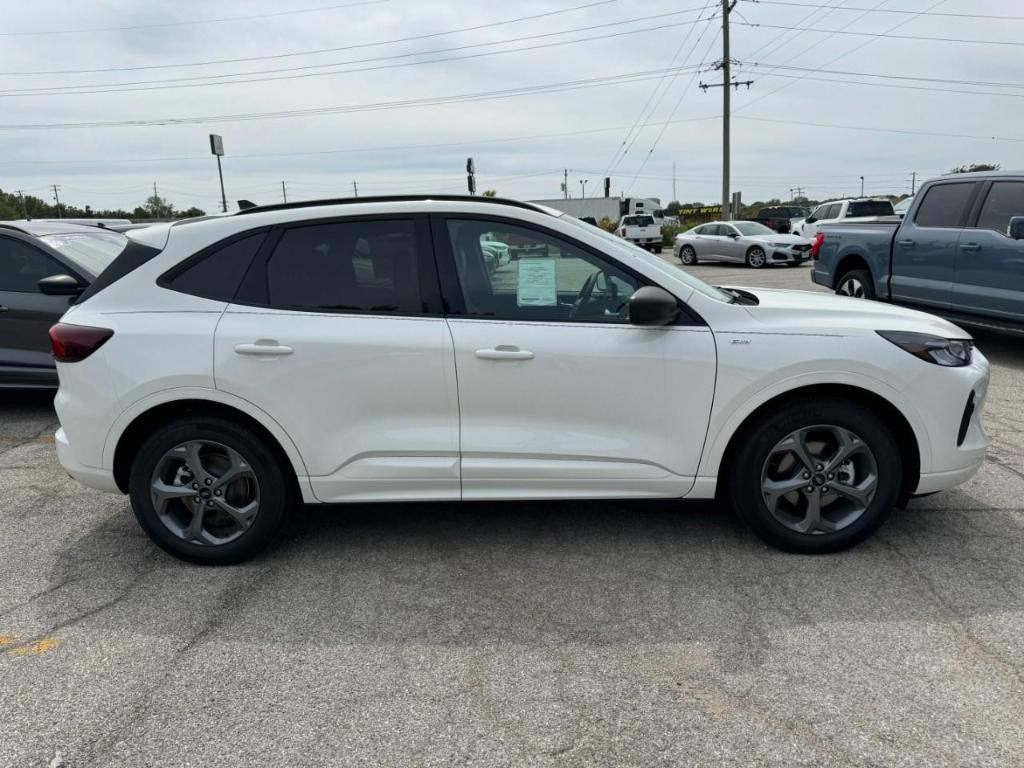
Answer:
(756, 257)
(851, 286)
(819, 479)
(205, 493)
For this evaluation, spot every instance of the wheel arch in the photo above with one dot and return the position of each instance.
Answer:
(850, 262)
(143, 422)
(903, 432)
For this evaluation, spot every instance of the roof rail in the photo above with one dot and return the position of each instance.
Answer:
(390, 199)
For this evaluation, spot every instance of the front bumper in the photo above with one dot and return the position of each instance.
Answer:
(788, 256)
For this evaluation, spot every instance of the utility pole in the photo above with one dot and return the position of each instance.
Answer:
(674, 195)
(727, 82)
(565, 183)
(284, 192)
(862, 186)
(913, 183)
(583, 186)
(24, 210)
(355, 189)
(56, 196)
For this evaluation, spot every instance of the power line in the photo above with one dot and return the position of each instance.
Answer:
(893, 85)
(886, 76)
(932, 134)
(194, 82)
(497, 95)
(778, 41)
(188, 22)
(630, 138)
(877, 35)
(943, 14)
(353, 46)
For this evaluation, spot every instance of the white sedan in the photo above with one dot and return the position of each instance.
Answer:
(232, 368)
(743, 242)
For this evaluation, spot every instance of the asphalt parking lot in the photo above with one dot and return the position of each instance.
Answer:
(540, 634)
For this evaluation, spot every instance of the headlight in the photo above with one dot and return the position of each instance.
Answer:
(952, 353)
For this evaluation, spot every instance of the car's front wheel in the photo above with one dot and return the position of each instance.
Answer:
(816, 477)
(756, 257)
(208, 491)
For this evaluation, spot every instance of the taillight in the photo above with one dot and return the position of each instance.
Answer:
(74, 343)
(819, 238)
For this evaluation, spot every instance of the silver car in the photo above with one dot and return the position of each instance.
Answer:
(745, 242)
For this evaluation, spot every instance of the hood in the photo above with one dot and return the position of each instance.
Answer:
(787, 239)
(818, 312)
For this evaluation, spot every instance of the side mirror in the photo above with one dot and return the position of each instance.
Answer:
(60, 285)
(1016, 228)
(653, 306)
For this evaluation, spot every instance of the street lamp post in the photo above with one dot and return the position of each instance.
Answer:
(583, 187)
(862, 186)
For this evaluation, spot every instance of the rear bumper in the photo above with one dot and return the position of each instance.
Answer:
(93, 477)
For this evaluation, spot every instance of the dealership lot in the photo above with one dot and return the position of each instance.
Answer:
(605, 633)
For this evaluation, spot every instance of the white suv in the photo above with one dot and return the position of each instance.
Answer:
(224, 370)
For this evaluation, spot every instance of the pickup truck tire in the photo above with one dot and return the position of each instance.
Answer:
(856, 283)
(687, 255)
(816, 476)
(756, 257)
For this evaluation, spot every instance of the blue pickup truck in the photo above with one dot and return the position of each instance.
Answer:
(958, 252)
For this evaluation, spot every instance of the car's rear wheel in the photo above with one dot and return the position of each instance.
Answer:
(208, 491)
(856, 283)
(687, 255)
(816, 477)
(756, 257)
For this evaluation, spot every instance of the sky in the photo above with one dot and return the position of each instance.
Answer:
(110, 97)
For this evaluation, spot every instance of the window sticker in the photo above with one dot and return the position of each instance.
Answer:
(538, 282)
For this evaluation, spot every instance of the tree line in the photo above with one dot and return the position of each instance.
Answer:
(14, 206)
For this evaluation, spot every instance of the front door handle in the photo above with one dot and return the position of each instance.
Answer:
(970, 247)
(504, 352)
(3, 308)
(264, 347)
(905, 243)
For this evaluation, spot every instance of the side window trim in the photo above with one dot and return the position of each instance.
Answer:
(451, 289)
(255, 292)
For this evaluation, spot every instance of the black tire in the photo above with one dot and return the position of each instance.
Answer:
(687, 255)
(273, 489)
(757, 257)
(856, 283)
(657, 249)
(745, 475)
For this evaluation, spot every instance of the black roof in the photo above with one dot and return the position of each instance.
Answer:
(391, 199)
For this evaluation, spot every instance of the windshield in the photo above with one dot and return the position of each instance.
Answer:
(752, 228)
(92, 250)
(626, 248)
(903, 205)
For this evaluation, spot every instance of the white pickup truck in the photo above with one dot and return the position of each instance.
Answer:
(640, 229)
(842, 210)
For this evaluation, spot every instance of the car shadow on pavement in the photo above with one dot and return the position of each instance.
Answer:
(533, 573)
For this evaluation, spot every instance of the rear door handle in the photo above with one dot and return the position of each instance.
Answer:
(264, 347)
(970, 247)
(504, 352)
(906, 243)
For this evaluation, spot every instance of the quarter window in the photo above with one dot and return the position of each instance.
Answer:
(1005, 200)
(356, 266)
(944, 205)
(22, 266)
(218, 274)
(531, 275)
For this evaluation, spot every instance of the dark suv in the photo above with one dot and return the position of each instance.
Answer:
(780, 217)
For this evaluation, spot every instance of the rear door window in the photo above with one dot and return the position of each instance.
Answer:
(354, 266)
(944, 205)
(1005, 200)
(870, 208)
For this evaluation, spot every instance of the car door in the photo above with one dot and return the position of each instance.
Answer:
(337, 334)
(989, 271)
(26, 313)
(559, 395)
(925, 246)
(702, 241)
(729, 243)
(714, 244)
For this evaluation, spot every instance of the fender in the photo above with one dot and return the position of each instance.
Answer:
(136, 409)
(727, 417)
